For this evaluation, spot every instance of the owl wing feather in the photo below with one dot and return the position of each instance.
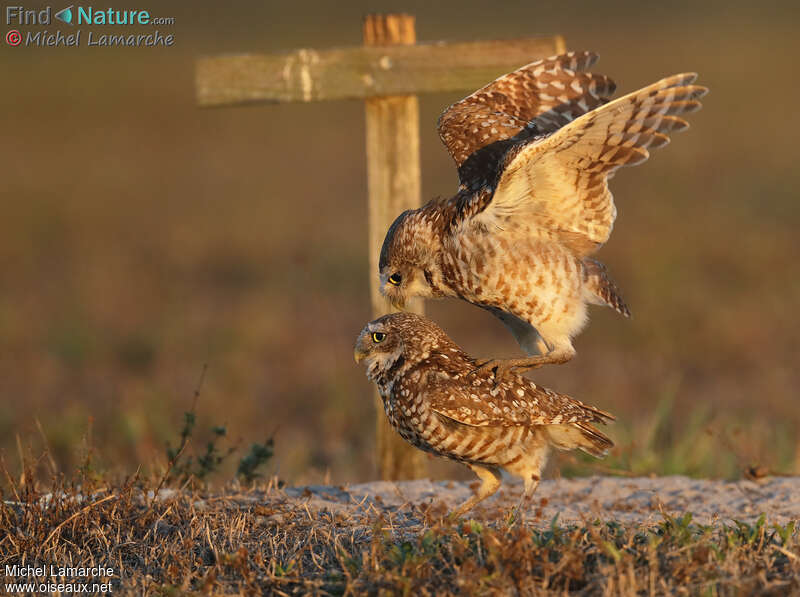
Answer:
(536, 99)
(490, 405)
(560, 183)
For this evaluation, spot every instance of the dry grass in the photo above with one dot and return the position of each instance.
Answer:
(258, 542)
(141, 238)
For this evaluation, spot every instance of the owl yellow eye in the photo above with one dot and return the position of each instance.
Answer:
(395, 279)
(378, 337)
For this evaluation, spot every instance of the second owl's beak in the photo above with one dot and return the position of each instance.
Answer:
(397, 302)
(389, 292)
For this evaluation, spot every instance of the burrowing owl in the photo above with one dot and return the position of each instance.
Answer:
(534, 150)
(436, 402)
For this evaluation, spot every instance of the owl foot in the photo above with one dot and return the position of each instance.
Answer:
(502, 367)
(490, 483)
(499, 368)
(518, 511)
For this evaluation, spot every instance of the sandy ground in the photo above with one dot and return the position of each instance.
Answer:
(628, 501)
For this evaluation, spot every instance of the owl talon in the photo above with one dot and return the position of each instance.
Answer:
(494, 367)
(501, 368)
(483, 366)
(454, 516)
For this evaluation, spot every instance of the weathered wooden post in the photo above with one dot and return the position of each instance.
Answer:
(393, 184)
(388, 72)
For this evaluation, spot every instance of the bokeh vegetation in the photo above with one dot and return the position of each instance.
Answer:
(142, 238)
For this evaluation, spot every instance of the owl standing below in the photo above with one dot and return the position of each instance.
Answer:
(534, 151)
(435, 400)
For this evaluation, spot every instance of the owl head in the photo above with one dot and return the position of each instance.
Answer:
(396, 341)
(407, 267)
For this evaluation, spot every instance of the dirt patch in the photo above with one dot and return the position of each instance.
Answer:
(625, 500)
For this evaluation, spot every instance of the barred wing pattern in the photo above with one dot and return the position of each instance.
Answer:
(534, 100)
(560, 183)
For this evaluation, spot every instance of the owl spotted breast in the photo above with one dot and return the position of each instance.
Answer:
(435, 401)
(534, 151)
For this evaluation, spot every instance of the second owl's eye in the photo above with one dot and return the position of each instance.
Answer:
(378, 337)
(395, 279)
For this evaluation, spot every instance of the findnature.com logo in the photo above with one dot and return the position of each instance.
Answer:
(86, 15)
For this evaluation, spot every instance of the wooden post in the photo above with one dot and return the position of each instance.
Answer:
(393, 183)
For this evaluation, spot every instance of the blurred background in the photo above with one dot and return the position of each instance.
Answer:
(142, 238)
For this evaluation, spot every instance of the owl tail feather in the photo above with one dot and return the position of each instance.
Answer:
(582, 436)
(602, 288)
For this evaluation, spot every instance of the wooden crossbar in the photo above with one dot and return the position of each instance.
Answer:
(360, 72)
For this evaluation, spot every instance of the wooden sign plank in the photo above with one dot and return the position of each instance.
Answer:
(361, 72)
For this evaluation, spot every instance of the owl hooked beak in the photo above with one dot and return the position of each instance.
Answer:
(361, 349)
(393, 296)
(359, 354)
(398, 302)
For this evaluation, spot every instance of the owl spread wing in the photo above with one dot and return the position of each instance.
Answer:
(534, 100)
(560, 183)
(512, 402)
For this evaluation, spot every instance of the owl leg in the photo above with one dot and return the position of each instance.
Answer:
(490, 483)
(530, 469)
(501, 367)
(531, 483)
